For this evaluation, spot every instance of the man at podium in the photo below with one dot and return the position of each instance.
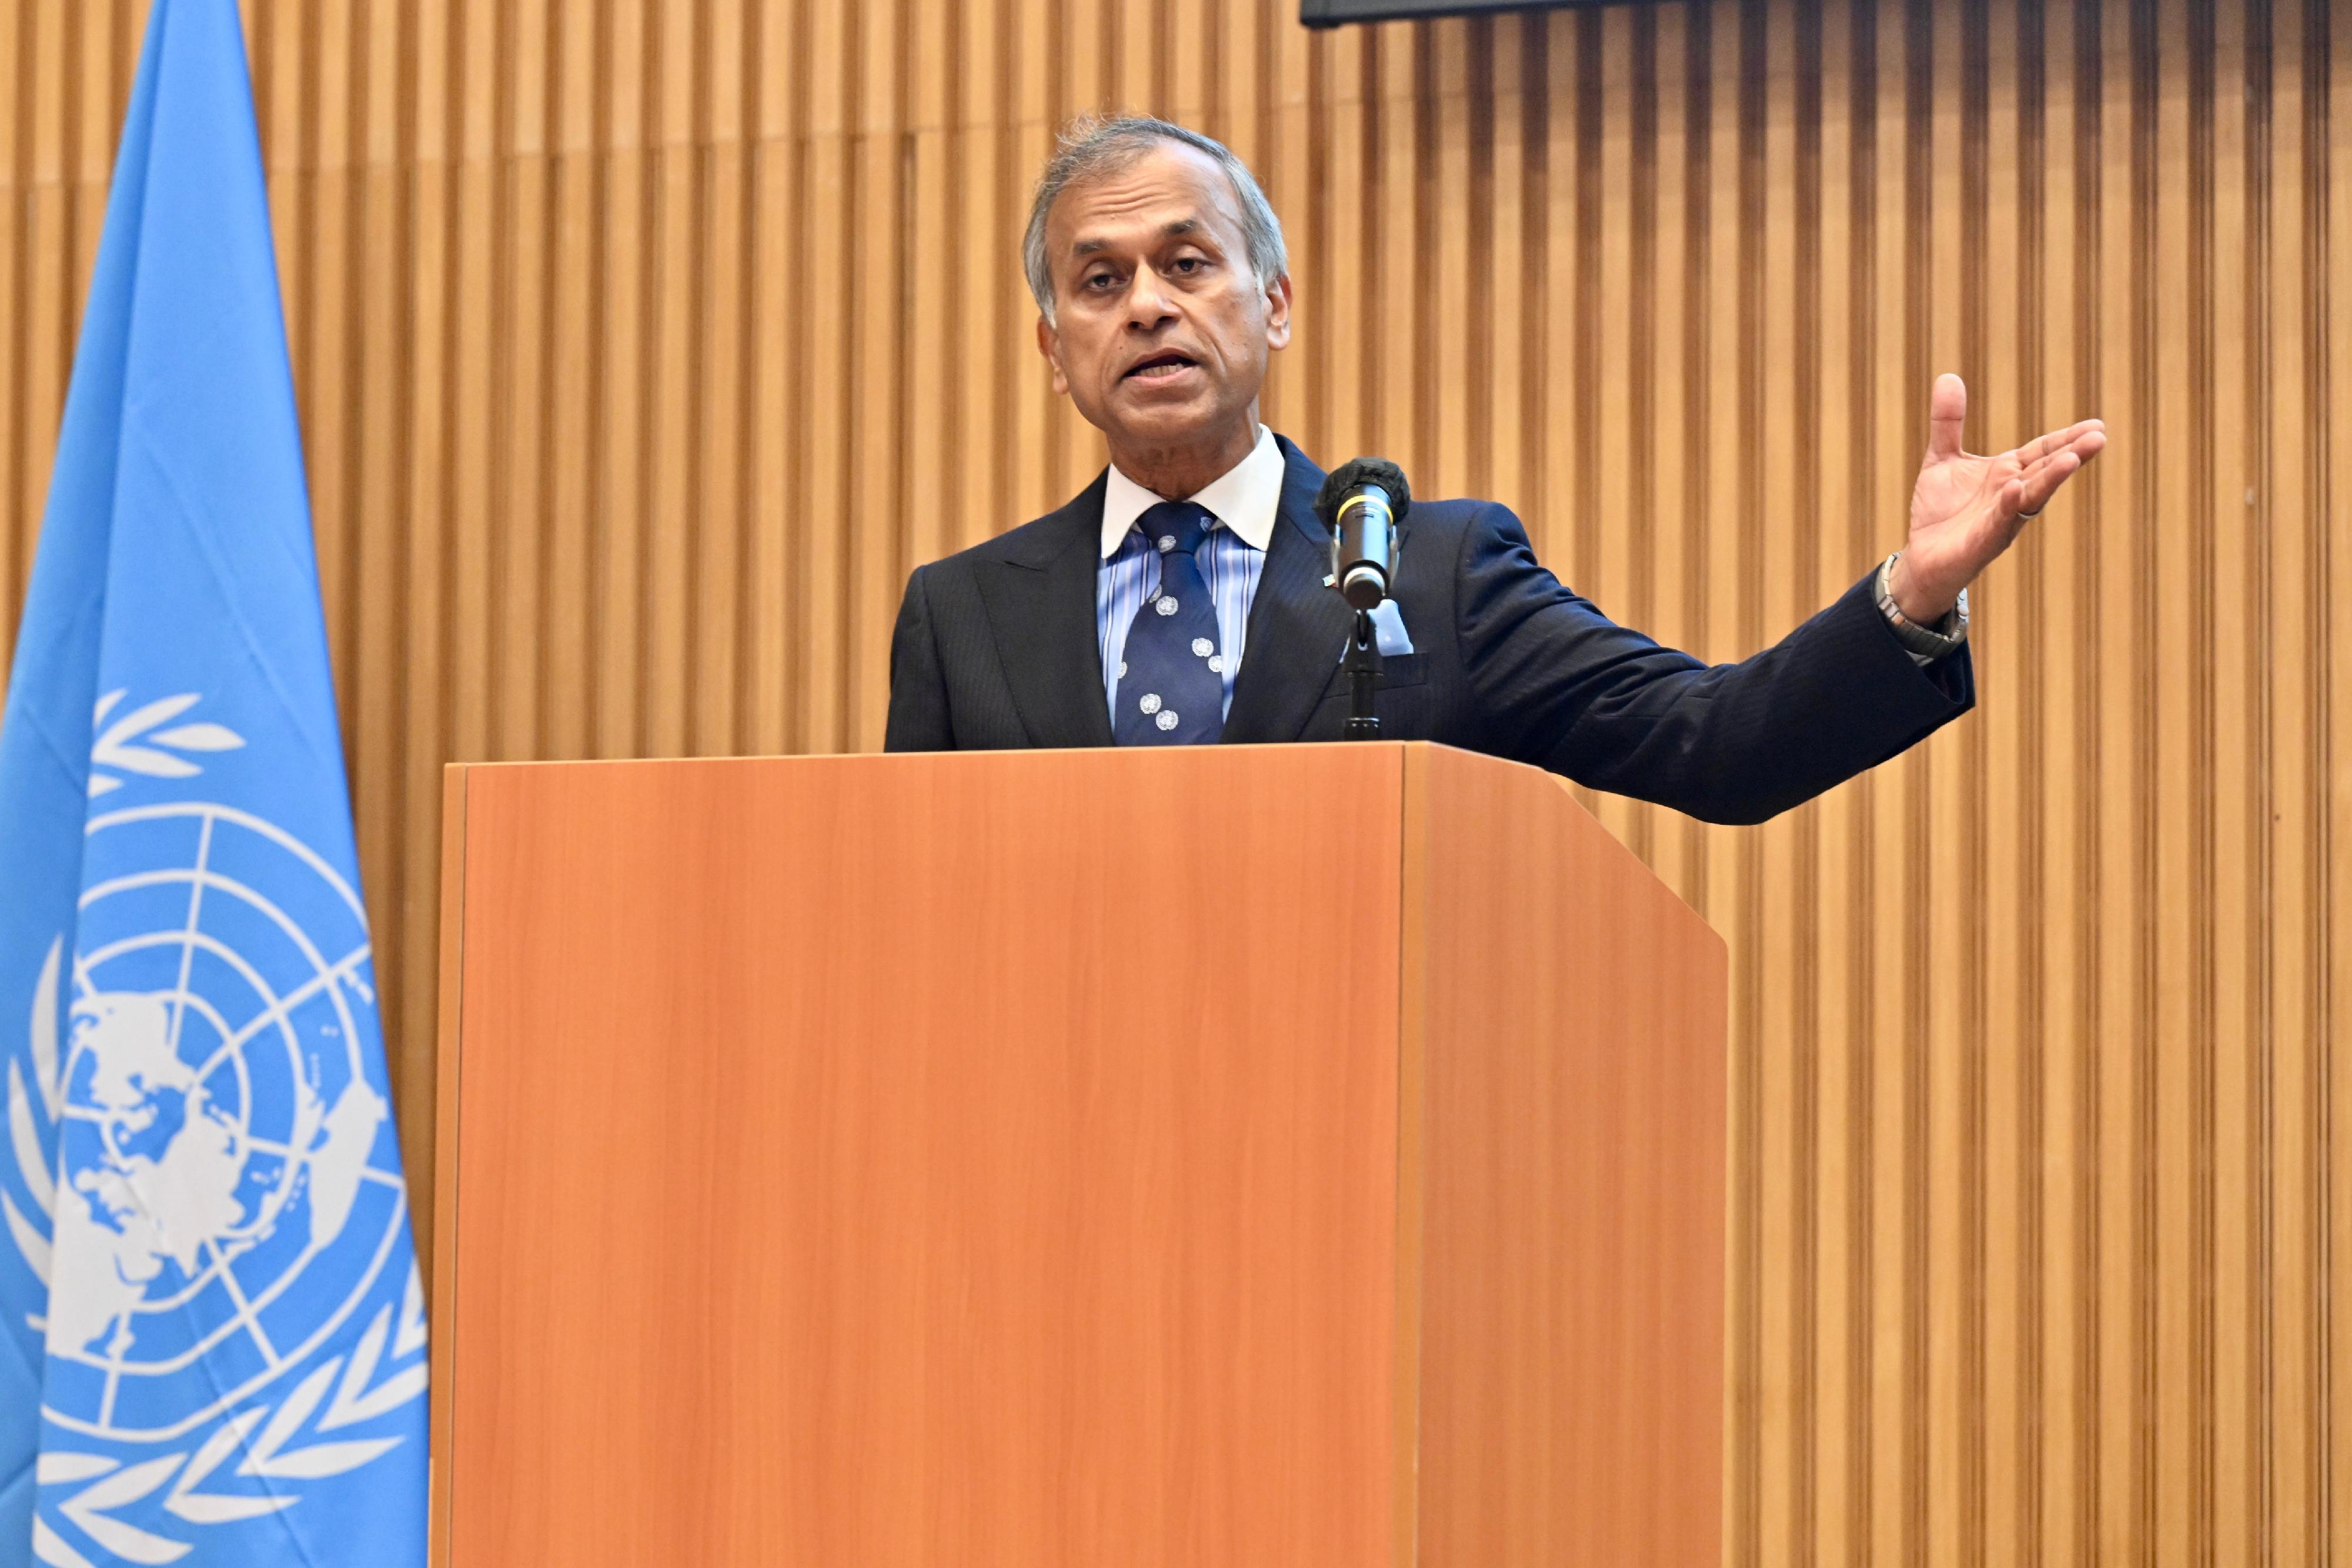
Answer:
(1182, 597)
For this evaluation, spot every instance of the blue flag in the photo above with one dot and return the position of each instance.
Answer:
(212, 1341)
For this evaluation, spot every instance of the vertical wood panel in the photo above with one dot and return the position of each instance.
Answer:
(644, 345)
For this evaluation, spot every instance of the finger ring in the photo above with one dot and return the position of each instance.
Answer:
(2036, 513)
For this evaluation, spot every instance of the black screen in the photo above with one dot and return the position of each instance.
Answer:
(1333, 13)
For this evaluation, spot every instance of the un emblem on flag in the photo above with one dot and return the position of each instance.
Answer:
(227, 1197)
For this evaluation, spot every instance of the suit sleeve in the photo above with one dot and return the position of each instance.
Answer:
(919, 692)
(1562, 687)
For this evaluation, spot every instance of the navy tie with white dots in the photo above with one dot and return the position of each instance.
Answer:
(1172, 689)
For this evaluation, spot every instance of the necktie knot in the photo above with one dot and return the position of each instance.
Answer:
(1175, 528)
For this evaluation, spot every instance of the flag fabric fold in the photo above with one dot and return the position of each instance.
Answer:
(212, 1335)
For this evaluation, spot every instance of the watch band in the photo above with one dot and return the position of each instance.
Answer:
(1928, 641)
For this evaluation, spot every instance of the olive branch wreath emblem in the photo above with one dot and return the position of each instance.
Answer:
(338, 1393)
(133, 744)
(266, 1432)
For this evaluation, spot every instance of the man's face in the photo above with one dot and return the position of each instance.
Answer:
(1162, 328)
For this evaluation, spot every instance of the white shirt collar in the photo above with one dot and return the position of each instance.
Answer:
(1246, 498)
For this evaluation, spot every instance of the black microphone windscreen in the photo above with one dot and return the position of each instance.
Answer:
(1363, 471)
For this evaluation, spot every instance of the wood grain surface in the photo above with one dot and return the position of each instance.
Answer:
(642, 346)
(1564, 1050)
(444, 1229)
(985, 1160)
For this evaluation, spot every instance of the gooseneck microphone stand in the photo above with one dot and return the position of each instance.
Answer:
(1362, 668)
(1364, 503)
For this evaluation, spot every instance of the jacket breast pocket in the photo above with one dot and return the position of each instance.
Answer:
(1401, 670)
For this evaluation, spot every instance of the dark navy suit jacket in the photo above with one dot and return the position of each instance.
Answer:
(996, 650)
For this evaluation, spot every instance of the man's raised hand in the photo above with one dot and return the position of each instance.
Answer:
(1966, 510)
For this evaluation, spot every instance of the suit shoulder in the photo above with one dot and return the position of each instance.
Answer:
(1452, 515)
(1034, 543)
(1458, 520)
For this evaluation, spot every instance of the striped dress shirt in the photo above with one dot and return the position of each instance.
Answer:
(1245, 501)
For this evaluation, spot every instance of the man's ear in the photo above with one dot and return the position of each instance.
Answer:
(1278, 312)
(1049, 343)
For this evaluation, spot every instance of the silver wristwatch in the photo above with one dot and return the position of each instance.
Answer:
(1928, 642)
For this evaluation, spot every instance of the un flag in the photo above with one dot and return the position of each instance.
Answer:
(211, 1342)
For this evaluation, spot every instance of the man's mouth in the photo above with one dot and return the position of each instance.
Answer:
(1161, 366)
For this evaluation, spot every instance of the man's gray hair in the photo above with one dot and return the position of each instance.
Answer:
(1094, 144)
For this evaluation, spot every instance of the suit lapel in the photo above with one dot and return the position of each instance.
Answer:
(1297, 627)
(1041, 607)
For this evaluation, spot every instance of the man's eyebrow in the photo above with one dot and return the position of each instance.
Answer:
(1180, 227)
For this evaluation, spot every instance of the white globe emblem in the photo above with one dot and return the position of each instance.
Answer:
(1167, 605)
(229, 1190)
(1166, 721)
(1150, 703)
(1202, 647)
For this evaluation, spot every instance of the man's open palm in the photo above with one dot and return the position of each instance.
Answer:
(1966, 509)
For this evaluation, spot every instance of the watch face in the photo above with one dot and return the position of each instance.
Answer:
(1928, 642)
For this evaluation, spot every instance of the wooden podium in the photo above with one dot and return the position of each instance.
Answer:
(1217, 1157)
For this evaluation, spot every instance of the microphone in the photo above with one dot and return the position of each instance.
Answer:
(1364, 503)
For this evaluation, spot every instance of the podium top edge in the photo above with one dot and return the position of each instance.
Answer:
(837, 758)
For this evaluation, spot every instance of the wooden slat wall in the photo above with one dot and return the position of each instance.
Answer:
(642, 347)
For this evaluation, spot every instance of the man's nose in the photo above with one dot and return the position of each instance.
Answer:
(1147, 300)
